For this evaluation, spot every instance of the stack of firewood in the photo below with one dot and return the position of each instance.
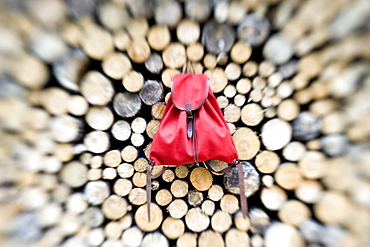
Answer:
(83, 87)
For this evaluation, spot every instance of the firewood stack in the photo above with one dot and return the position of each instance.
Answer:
(83, 86)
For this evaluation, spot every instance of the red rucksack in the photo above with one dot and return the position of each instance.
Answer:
(193, 129)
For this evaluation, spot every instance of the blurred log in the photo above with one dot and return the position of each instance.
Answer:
(196, 220)
(173, 228)
(177, 208)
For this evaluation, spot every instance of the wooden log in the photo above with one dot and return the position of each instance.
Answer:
(137, 28)
(177, 208)
(97, 141)
(210, 61)
(267, 161)
(273, 139)
(241, 223)
(116, 65)
(208, 207)
(288, 110)
(65, 128)
(288, 176)
(284, 90)
(210, 238)
(201, 178)
(188, 31)
(251, 114)
(55, 100)
(309, 191)
(187, 240)
(179, 188)
(255, 95)
(273, 197)
(96, 161)
(232, 113)
(121, 40)
(95, 41)
(168, 13)
(215, 192)
(77, 105)
(132, 236)
(174, 56)
(246, 143)
(141, 164)
(167, 76)
(230, 91)
(137, 196)
(125, 170)
(122, 187)
(141, 217)
(181, 171)
(141, 8)
(126, 104)
(313, 165)
(154, 64)
(96, 88)
(151, 93)
(229, 204)
(278, 232)
(250, 68)
(278, 49)
(259, 220)
(253, 29)
(109, 173)
(112, 158)
(114, 207)
(240, 52)
(139, 51)
(294, 151)
(222, 101)
(195, 198)
(198, 10)
(121, 130)
(239, 100)
(274, 79)
(154, 238)
(133, 81)
(218, 38)
(235, 237)
(163, 197)
(74, 174)
(195, 52)
(196, 220)
(221, 221)
(96, 192)
(233, 71)
(158, 110)
(173, 228)
(312, 126)
(168, 176)
(112, 15)
(99, 118)
(301, 213)
(159, 37)
(152, 128)
(139, 179)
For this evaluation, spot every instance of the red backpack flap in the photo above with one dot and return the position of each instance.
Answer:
(193, 127)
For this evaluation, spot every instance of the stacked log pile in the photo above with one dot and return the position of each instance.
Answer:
(83, 87)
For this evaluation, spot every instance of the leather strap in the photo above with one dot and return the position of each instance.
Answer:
(149, 188)
(149, 178)
(243, 198)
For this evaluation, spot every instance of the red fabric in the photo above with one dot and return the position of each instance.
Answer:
(171, 144)
(189, 88)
